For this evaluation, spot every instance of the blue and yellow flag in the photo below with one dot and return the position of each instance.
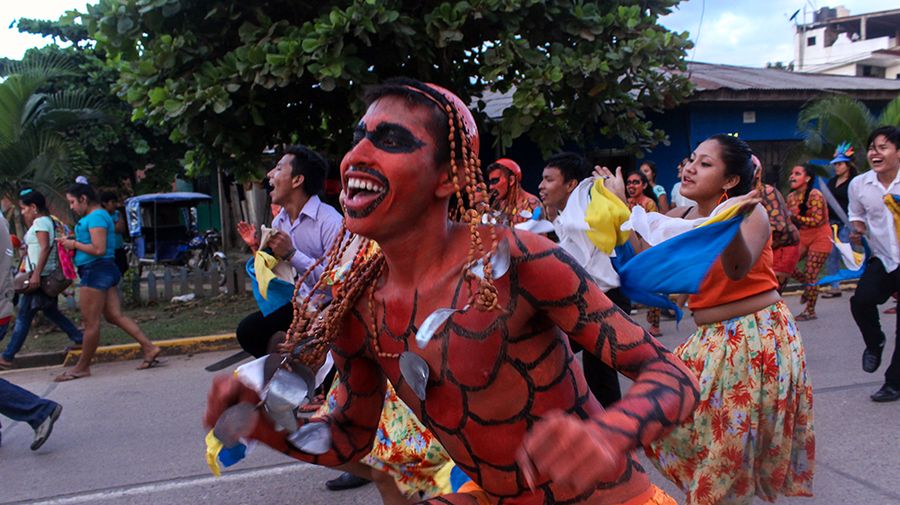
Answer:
(677, 265)
(277, 291)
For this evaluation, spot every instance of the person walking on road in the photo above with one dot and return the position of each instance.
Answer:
(17, 403)
(98, 274)
(40, 261)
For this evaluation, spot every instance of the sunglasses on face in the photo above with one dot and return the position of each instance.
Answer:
(633, 183)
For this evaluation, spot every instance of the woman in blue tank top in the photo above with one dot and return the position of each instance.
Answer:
(99, 277)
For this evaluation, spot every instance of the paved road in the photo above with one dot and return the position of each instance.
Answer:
(134, 437)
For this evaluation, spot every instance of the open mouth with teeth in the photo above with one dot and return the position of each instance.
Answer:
(365, 190)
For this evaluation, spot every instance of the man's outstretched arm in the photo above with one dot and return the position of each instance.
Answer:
(358, 401)
(664, 391)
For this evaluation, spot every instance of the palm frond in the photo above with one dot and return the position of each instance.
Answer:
(827, 122)
(891, 113)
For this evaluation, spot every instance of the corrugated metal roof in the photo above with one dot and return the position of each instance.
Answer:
(714, 82)
(707, 77)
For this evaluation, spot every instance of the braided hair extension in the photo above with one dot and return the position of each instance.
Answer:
(310, 336)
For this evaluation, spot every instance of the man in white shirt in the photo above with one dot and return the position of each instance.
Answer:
(870, 217)
(559, 186)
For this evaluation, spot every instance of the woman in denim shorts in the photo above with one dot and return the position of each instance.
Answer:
(98, 274)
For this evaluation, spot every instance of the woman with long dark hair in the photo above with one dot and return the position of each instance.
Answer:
(40, 260)
(839, 185)
(810, 213)
(640, 194)
(752, 432)
(99, 276)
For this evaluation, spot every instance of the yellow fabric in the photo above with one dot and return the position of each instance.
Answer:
(857, 256)
(263, 263)
(725, 215)
(894, 207)
(604, 215)
(213, 448)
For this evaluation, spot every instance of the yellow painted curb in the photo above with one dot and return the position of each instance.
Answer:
(172, 347)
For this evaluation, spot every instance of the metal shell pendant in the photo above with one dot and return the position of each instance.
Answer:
(414, 370)
(312, 438)
(235, 423)
(285, 392)
(432, 324)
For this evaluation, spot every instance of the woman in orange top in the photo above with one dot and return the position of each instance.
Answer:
(752, 431)
(810, 213)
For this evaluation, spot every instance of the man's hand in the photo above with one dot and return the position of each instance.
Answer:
(572, 453)
(248, 234)
(226, 391)
(613, 182)
(857, 231)
(281, 244)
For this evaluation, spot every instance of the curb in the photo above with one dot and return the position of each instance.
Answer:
(191, 345)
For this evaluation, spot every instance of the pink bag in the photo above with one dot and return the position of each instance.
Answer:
(65, 263)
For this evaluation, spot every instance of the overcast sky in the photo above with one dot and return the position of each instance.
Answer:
(736, 32)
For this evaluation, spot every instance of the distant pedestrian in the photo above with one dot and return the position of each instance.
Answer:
(110, 203)
(40, 259)
(871, 217)
(640, 194)
(98, 276)
(648, 168)
(839, 186)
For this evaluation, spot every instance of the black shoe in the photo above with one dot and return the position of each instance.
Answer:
(871, 361)
(345, 481)
(42, 432)
(887, 393)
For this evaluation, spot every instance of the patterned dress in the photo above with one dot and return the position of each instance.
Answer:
(404, 449)
(752, 431)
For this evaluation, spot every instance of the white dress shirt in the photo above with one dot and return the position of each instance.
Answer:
(867, 206)
(570, 227)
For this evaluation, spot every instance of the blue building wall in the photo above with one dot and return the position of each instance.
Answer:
(687, 126)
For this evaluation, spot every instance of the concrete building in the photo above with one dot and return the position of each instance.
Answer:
(864, 45)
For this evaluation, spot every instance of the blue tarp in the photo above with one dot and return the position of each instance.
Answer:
(181, 196)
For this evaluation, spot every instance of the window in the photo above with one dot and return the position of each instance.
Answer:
(870, 71)
(810, 41)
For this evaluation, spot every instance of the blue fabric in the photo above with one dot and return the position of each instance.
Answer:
(458, 478)
(279, 292)
(230, 455)
(101, 274)
(96, 219)
(677, 265)
(25, 316)
(22, 405)
(847, 274)
(116, 238)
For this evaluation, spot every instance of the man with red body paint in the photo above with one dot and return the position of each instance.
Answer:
(507, 193)
(505, 396)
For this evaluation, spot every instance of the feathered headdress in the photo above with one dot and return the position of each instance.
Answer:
(844, 152)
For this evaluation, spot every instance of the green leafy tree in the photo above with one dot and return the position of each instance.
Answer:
(34, 147)
(826, 122)
(115, 149)
(233, 77)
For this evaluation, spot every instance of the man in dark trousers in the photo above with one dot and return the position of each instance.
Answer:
(871, 198)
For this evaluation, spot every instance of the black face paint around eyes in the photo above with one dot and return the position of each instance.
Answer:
(359, 133)
(393, 138)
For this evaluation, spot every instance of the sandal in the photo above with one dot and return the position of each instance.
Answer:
(151, 362)
(655, 331)
(805, 316)
(6, 365)
(70, 376)
(831, 294)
